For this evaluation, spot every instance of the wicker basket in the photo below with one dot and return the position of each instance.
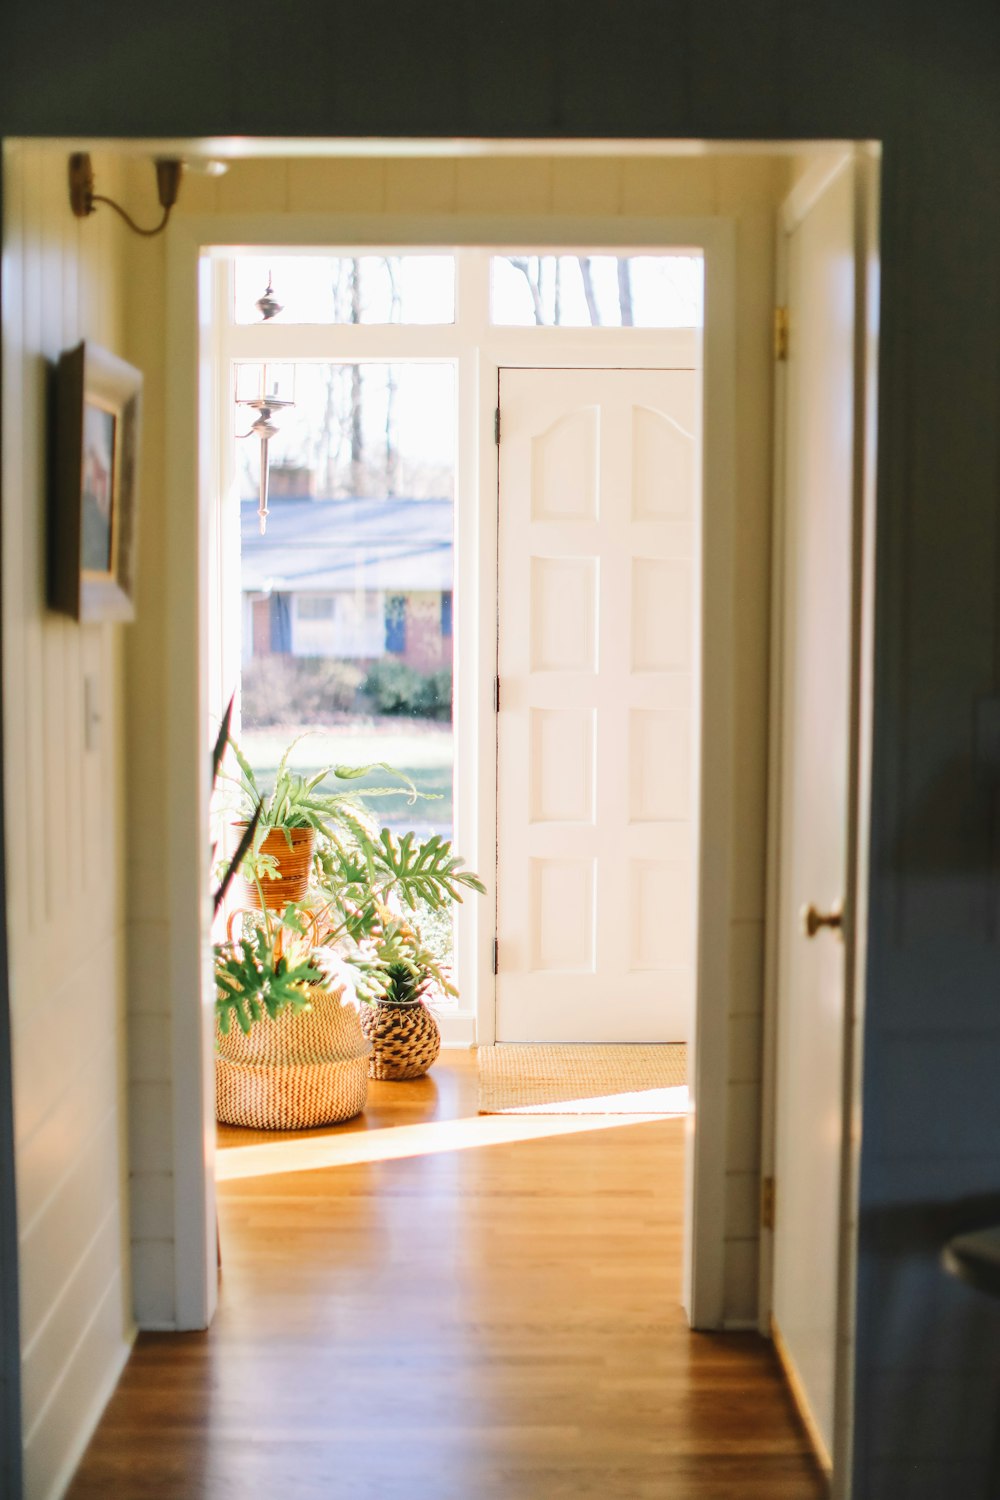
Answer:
(405, 1039)
(302, 1069)
(294, 865)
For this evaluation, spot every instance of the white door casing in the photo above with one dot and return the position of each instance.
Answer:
(480, 351)
(597, 646)
(816, 791)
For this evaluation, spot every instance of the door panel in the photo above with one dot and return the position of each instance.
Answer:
(596, 658)
(815, 758)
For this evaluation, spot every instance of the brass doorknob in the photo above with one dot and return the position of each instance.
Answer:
(813, 920)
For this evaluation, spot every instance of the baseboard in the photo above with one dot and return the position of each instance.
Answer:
(801, 1400)
(105, 1391)
(458, 1028)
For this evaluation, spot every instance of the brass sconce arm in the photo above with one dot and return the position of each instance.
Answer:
(83, 199)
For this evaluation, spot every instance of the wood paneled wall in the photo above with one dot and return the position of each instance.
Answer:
(64, 853)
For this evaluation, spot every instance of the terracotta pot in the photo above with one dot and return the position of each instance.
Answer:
(294, 864)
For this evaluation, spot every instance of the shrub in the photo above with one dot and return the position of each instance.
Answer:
(395, 688)
(298, 689)
(434, 695)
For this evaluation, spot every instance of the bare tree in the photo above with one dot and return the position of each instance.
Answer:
(586, 276)
(625, 290)
(357, 396)
(532, 276)
(391, 444)
(336, 433)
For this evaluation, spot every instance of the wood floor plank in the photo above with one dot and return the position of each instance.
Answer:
(498, 1321)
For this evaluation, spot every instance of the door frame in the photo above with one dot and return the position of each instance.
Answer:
(190, 525)
(11, 1453)
(863, 161)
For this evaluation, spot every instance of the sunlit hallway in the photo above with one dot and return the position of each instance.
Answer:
(478, 1310)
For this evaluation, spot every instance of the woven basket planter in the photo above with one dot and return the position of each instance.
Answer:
(294, 864)
(303, 1069)
(405, 1039)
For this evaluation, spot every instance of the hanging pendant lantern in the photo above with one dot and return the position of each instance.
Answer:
(265, 403)
(268, 305)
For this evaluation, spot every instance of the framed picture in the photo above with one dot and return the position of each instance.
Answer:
(92, 530)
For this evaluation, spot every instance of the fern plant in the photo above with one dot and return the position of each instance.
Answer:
(298, 801)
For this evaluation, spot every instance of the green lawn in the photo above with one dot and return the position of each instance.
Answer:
(424, 754)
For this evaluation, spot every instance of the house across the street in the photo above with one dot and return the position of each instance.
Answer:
(356, 579)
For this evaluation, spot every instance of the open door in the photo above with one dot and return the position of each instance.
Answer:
(597, 653)
(814, 921)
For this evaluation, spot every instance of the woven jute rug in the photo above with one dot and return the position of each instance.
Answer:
(542, 1078)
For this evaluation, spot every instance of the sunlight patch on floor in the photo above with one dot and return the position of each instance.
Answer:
(400, 1141)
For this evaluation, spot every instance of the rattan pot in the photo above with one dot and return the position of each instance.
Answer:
(294, 862)
(302, 1069)
(405, 1039)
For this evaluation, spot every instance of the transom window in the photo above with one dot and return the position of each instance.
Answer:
(372, 289)
(597, 291)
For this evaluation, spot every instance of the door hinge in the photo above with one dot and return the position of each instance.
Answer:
(767, 1203)
(781, 333)
(496, 426)
(496, 956)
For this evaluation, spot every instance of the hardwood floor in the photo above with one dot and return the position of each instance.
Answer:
(470, 1317)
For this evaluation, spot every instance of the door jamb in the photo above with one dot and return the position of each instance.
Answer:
(188, 549)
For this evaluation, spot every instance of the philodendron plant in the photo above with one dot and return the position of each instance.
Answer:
(394, 964)
(265, 970)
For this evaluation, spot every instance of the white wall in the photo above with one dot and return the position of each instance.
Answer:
(65, 856)
(150, 1067)
(743, 188)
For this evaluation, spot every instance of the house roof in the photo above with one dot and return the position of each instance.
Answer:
(331, 545)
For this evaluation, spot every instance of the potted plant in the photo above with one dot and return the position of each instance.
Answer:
(374, 906)
(297, 1057)
(354, 926)
(297, 813)
(397, 984)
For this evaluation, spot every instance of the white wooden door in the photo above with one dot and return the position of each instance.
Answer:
(596, 662)
(816, 767)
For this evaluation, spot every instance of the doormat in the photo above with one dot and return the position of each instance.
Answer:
(541, 1078)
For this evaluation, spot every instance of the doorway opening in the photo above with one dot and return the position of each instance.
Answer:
(586, 314)
(722, 1261)
(371, 613)
(173, 636)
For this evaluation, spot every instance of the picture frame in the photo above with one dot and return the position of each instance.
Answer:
(93, 514)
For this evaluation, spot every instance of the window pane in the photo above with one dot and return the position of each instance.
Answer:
(598, 291)
(348, 289)
(347, 598)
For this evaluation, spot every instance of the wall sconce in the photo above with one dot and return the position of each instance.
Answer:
(83, 199)
(266, 402)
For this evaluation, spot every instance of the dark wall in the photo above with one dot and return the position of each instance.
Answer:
(924, 78)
